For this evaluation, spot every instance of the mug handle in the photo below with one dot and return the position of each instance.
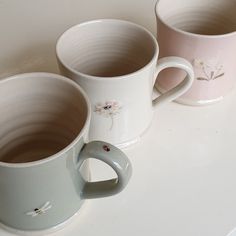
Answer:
(116, 159)
(181, 88)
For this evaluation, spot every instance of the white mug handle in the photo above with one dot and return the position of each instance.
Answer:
(179, 89)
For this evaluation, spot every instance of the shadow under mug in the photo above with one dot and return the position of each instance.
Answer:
(204, 33)
(115, 62)
(44, 178)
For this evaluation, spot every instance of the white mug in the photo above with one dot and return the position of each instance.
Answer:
(116, 62)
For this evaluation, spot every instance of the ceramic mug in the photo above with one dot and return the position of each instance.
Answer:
(203, 32)
(116, 63)
(43, 174)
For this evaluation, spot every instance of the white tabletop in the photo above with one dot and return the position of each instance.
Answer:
(184, 167)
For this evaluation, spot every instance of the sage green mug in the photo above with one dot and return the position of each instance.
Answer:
(44, 178)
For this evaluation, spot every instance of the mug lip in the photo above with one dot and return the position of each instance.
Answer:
(99, 21)
(75, 140)
(158, 16)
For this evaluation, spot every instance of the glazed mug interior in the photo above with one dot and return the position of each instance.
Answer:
(105, 50)
(40, 116)
(213, 17)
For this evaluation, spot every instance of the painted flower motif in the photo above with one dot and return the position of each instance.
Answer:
(211, 70)
(40, 211)
(108, 109)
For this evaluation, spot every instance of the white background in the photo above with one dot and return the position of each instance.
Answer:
(184, 167)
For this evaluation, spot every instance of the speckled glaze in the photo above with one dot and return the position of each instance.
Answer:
(43, 148)
(203, 32)
(116, 62)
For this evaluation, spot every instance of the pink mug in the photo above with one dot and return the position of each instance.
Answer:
(204, 33)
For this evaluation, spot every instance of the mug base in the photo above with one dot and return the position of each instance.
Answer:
(127, 144)
(131, 142)
(44, 231)
(190, 102)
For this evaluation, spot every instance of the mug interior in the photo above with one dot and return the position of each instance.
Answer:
(212, 17)
(106, 48)
(40, 116)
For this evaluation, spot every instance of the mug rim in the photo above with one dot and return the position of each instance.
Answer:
(75, 140)
(158, 17)
(99, 21)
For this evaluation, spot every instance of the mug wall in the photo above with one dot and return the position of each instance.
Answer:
(212, 17)
(105, 50)
(118, 104)
(54, 188)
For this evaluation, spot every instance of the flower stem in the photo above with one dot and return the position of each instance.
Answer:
(111, 122)
(205, 72)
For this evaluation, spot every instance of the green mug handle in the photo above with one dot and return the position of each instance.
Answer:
(116, 159)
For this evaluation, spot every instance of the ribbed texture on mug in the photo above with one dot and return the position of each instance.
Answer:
(39, 118)
(113, 50)
(200, 17)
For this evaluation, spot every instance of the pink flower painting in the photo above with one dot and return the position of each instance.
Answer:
(108, 109)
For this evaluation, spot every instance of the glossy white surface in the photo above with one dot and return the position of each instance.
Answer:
(184, 167)
(108, 58)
